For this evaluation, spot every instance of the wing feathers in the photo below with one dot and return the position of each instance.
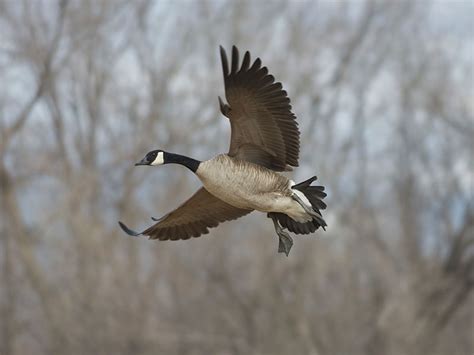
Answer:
(260, 113)
(191, 219)
(245, 62)
(235, 60)
(225, 64)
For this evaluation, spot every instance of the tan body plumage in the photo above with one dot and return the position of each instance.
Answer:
(249, 186)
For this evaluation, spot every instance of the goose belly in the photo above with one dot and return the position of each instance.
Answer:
(263, 202)
(244, 186)
(240, 184)
(237, 196)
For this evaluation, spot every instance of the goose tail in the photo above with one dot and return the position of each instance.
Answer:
(315, 196)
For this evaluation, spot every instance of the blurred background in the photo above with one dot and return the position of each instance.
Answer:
(383, 92)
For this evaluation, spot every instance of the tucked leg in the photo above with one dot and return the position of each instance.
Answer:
(284, 240)
(310, 211)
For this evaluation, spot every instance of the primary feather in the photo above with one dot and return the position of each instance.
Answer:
(264, 130)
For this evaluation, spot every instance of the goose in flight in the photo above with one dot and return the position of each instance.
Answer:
(264, 141)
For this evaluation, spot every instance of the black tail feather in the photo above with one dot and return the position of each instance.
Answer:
(316, 202)
(305, 183)
(315, 195)
(295, 227)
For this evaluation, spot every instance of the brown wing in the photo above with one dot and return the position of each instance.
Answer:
(264, 129)
(192, 218)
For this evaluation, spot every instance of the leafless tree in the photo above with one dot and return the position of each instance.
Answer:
(382, 91)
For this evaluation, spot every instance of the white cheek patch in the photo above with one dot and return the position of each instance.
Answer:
(159, 159)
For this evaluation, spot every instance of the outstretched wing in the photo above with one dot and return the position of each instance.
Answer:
(192, 218)
(264, 130)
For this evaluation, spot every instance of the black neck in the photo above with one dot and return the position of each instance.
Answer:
(190, 163)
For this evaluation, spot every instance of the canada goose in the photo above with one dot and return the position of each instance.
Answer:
(264, 139)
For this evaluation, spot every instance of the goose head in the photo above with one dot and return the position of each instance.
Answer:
(153, 158)
(160, 157)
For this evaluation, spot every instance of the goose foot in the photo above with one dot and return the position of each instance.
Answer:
(285, 242)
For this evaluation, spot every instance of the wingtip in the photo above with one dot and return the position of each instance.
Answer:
(256, 65)
(235, 60)
(129, 231)
(225, 64)
(234, 48)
